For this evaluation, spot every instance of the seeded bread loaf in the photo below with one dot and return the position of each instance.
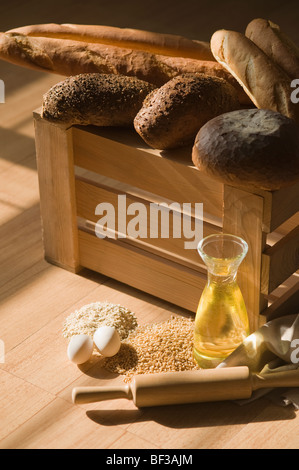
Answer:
(98, 99)
(276, 44)
(172, 114)
(264, 82)
(249, 147)
(67, 57)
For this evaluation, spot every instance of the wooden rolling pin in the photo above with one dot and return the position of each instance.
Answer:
(169, 388)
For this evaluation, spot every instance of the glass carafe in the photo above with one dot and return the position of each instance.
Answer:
(221, 321)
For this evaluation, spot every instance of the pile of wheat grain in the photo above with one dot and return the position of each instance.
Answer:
(158, 347)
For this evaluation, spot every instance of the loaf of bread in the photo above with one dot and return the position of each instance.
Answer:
(66, 57)
(276, 44)
(97, 99)
(157, 43)
(264, 82)
(172, 114)
(249, 147)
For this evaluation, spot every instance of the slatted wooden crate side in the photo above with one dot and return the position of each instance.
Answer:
(243, 216)
(54, 153)
(147, 169)
(285, 304)
(279, 207)
(280, 257)
(143, 270)
(280, 261)
(258, 216)
(285, 204)
(89, 195)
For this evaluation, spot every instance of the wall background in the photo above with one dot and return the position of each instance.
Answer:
(196, 19)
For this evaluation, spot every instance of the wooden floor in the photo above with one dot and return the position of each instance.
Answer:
(36, 377)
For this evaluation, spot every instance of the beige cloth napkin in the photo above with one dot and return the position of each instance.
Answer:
(272, 348)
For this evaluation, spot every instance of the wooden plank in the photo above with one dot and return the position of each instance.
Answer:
(243, 216)
(287, 304)
(283, 229)
(37, 299)
(88, 196)
(122, 188)
(20, 400)
(145, 271)
(57, 194)
(21, 235)
(275, 427)
(285, 203)
(90, 227)
(132, 162)
(279, 206)
(280, 261)
(55, 426)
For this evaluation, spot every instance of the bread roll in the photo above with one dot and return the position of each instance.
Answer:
(66, 57)
(264, 82)
(157, 43)
(98, 99)
(252, 147)
(172, 115)
(276, 44)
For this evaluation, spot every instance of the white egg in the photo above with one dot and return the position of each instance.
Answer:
(80, 348)
(107, 340)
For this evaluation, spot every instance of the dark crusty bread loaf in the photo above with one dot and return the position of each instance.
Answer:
(67, 57)
(172, 114)
(157, 43)
(98, 99)
(267, 85)
(252, 147)
(276, 44)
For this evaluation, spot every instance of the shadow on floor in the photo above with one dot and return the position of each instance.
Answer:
(126, 289)
(12, 141)
(196, 415)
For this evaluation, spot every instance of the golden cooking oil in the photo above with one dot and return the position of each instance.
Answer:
(221, 321)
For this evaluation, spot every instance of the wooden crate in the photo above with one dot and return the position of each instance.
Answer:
(79, 167)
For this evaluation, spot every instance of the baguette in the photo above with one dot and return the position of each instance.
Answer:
(66, 57)
(264, 82)
(157, 43)
(277, 45)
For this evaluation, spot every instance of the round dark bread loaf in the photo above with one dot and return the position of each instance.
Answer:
(172, 114)
(98, 99)
(254, 147)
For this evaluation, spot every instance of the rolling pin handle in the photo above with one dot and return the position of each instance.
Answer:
(94, 394)
(286, 378)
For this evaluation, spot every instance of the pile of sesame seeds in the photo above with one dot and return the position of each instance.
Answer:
(94, 315)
